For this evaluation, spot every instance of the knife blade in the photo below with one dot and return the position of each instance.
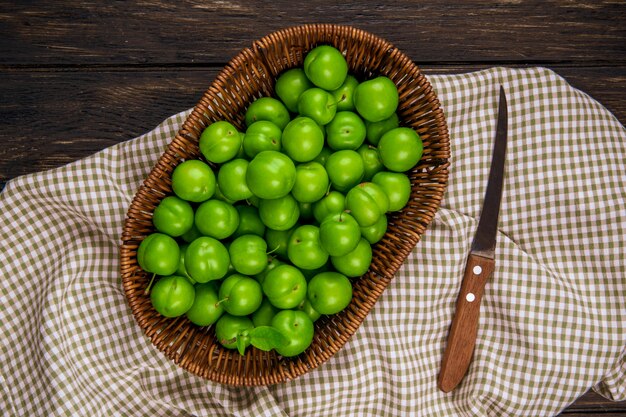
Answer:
(479, 266)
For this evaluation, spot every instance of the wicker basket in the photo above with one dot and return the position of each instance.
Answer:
(251, 74)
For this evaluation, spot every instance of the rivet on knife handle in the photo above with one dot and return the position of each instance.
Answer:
(462, 336)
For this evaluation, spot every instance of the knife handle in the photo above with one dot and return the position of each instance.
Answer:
(462, 336)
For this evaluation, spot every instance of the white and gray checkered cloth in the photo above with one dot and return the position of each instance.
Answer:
(553, 318)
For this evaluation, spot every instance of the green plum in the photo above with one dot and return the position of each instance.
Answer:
(318, 105)
(297, 327)
(371, 161)
(344, 95)
(345, 131)
(240, 295)
(158, 254)
(206, 259)
(229, 329)
(345, 169)
(278, 240)
(248, 254)
(339, 234)
(217, 219)
(355, 263)
(231, 180)
(261, 136)
(400, 149)
(285, 286)
(173, 216)
(271, 175)
(329, 292)
(194, 181)
(206, 308)
(397, 186)
(305, 249)
(279, 213)
(363, 207)
(326, 67)
(289, 85)
(303, 139)
(270, 109)
(376, 231)
(376, 99)
(332, 203)
(264, 314)
(375, 130)
(220, 142)
(172, 296)
(311, 182)
(250, 222)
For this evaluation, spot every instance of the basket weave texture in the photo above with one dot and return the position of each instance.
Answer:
(250, 75)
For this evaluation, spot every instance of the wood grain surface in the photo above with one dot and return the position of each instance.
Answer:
(77, 77)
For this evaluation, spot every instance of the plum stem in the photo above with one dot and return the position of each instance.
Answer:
(147, 291)
(273, 250)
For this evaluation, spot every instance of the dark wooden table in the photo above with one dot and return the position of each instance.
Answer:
(77, 77)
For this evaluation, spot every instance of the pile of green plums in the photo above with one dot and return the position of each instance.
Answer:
(269, 239)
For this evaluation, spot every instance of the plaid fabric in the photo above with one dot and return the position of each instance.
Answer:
(552, 322)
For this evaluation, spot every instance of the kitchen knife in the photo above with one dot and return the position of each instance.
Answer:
(479, 267)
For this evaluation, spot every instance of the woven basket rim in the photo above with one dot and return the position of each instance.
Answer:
(193, 348)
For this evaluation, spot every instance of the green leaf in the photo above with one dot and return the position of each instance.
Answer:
(241, 345)
(267, 338)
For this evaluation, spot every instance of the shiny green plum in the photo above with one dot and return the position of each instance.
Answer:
(305, 249)
(332, 203)
(326, 67)
(159, 254)
(376, 99)
(400, 149)
(261, 136)
(220, 142)
(376, 231)
(270, 109)
(231, 180)
(172, 296)
(345, 131)
(264, 314)
(329, 292)
(285, 286)
(303, 139)
(173, 216)
(311, 182)
(271, 175)
(318, 105)
(249, 222)
(363, 207)
(345, 169)
(339, 234)
(216, 219)
(240, 295)
(355, 263)
(206, 308)
(375, 130)
(372, 163)
(229, 329)
(344, 95)
(289, 85)
(206, 259)
(248, 254)
(297, 327)
(279, 213)
(194, 181)
(397, 186)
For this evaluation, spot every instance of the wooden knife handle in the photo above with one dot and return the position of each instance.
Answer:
(462, 336)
